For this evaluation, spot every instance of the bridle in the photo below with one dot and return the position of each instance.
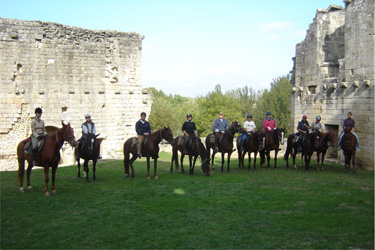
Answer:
(66, 139)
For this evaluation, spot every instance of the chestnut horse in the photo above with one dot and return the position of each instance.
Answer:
(48, 157)
(150, 148)
(225, 145)
(251, 146)
(195, 149)
(348, 146)
(88, 151)
(273, 140)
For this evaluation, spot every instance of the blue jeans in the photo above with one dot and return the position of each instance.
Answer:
(243, 139)
(356, 139)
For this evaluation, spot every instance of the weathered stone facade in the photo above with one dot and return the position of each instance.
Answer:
(334, 73)
(68, 72)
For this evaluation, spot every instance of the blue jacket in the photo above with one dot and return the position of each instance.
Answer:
(220, 125)
(142, 128)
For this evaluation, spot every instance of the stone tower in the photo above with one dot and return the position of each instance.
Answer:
(68, 72)
(333, 73)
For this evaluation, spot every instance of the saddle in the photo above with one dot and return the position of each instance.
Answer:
(136, 141)
(28, 149)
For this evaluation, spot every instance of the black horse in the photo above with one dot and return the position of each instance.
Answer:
(251, 146)
(88, 150)
(311, 143)
(195, 149)
(273, 140)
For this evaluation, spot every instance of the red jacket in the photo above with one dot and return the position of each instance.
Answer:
(269, 123)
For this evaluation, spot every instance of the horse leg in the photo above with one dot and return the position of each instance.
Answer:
(86, 169)
(249, 156)
(155, 166)
(134, 157)
(94, 169)
(229, 154)
(29, 167)
(353, 162)
(255, 160)
(148, 168)
(212, 160)
(54, 169)
(317, 161)
(21, 171)
(222, 162)
(182, 163)
(190, 164)
(268, 154)
(46, 179)
(321, 165)
(194, 161)
(276, 151)
(79, 168)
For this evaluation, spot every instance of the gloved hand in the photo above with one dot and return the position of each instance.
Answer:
(274, 128)
(41, 136)
(268, 128)
(222, 132)
(216, 130)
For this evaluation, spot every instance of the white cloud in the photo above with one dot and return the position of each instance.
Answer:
(275, 25)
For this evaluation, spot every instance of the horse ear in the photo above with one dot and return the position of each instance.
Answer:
(62, 123)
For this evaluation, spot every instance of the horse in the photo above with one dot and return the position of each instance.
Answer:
(311, 143)
(150, 149)
(251, 146)
(195, 149)
(88, 151)
(225, 145)
(292, 149)
(326, 138)
(48, 157)
(348, 146)
(273, 141)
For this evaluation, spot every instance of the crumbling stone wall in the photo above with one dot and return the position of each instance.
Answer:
(68, 72)
(333, 73)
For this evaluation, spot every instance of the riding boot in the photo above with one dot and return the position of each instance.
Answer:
(184, 146)
(35, 157)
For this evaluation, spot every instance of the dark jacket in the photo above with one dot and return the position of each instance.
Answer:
(301, 126)
(142, 128)
(189, 127)
(349, 123)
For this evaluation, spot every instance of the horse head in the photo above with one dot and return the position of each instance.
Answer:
(280, 134)
(69, 134)
(167, 134)
(317, 139)
(236, 126)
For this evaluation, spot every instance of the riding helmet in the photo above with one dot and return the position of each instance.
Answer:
(318, 118)
(268, 113)
(304, 116)
(189, 115)
(38, 111)
(143, 113)
(87, 116)
(249, 115)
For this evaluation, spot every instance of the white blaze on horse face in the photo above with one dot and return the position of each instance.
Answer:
(282, 138)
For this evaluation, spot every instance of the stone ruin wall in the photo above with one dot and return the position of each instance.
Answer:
(68, 72)
(334, 73)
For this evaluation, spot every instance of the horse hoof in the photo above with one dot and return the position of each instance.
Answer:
(94, 181)
(148, 178)
(133, 175)
(54, 192)
(307, 172)
(222, 172)
(156, 178)
(87, 182)
(30, 188)
(47, 194)
(127, 176)
(228, 172)
(22, 189)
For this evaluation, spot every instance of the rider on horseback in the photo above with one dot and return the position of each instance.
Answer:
(219, 127)
(143, 129)
(269, 124)
(38, 133)
(349, 124)
(249, 128)
(88, 128)
(316, 126)
(303, 129)
(189, 130)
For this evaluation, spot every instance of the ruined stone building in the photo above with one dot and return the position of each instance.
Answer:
(68, 72)
(334, 73)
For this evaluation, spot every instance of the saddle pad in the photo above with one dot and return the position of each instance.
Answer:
(212, 138)
(135, 141)
(180, 140)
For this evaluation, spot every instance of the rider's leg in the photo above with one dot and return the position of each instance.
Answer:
(340, 139)
(243, 139)
(140, 141)
(185, 144)
(356, 141)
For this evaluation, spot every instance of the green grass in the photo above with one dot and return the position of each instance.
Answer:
(283, 208)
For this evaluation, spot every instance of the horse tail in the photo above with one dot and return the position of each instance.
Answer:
(126, 158)
(175, 156)
(262, 156)
(288, 148)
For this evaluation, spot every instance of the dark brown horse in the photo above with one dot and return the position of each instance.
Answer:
(292, 149)
(48, 157)
(326, 139)
(195, 149)
(348, 146)
(89, 150)
(273, 141)
(150, 149)
(225, 145)
(311, 143)
(251, 146)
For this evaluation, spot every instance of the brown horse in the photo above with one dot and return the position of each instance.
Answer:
(195, 149)
(348, 146)
(225, 145)
(326, 138)
(251, 146)
(48, 157)
(273, 141)
(311, 143)
(292, 149)
(150, 148)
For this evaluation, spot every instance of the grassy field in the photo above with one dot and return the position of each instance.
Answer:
(283, 208)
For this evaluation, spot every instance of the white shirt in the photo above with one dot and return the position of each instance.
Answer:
(249, 125)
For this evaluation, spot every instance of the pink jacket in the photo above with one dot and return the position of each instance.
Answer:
(271, 123)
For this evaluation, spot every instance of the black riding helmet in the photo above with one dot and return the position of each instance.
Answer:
(38, 111)
(143, 113)
(189, 115)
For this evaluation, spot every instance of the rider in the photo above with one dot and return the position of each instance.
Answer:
(219, 127)
(249, 128)
(88, 128)
(38, 133)
(189, 130)
(143, 129)
(316, 126)
(350, 124)
(269, 124)
(303, 128)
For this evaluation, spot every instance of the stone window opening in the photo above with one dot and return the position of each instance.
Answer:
(312, 89)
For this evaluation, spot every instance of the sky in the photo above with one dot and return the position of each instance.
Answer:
(192, 45)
